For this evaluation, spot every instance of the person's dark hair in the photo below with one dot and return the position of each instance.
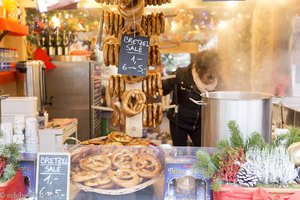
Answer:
(206, 59)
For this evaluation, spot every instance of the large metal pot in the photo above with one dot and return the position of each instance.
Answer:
(251, 110)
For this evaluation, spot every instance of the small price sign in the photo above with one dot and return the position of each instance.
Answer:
(53, 176)
(133, 55)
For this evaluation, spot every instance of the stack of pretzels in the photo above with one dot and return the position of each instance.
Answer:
(153, 24)
(156, 2)
(152, 85)
(117, 138)
(152, 115)
(114, 167)
(114, 23)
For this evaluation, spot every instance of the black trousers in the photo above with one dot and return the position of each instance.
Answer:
(180, 135)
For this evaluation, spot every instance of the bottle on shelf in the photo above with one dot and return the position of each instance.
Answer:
(65, 43)
(58, 43)
(51, 43)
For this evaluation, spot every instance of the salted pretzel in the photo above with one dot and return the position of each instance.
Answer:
(145, 123)
(122, 159)
(162, 22)
(149, 85)
(153, 24)
(132, 28)
(106, 186)
(145, 87)
(118, 136)
(124, 177)
(146, 165)
(122, 85)
(132, 79)
(149, 115)
(149, 62)
(98, 163)
(144, 22)
(135, 97)
(116, 115)
(103, 179)
(111, 56)
(159, 84)
(106, 21)
(111, 85)
(158, 24)
(157, 50)
(154, 115)
(122, 118)
(138, 142)
(159, 113)
(131, 10)
(116, 25)
(116, 54)
(83, 152)
(84, 176)
(117, 85)
(154, 84)
(149, 24)
(105, 54)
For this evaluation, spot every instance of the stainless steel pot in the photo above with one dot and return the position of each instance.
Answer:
(251, 110)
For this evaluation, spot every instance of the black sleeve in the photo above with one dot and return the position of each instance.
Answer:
(168, 85)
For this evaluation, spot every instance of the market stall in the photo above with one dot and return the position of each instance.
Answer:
(93, 120)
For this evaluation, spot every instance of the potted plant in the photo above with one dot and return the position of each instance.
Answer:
(251, 168)
(11, 180)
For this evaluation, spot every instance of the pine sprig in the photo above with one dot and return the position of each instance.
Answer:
(236, 139)
(223, 144)
(255, 140)
(291, 137)
(12, 153)
(205, 164)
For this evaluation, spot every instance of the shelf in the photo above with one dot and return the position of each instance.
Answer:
(7, 77)
(12, 28)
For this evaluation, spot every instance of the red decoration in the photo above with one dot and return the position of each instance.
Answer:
(13, 189)
(231, 159)
(40, 54)
(229, 192)
(2, 165)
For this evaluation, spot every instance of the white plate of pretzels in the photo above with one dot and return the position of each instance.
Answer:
(115, 169)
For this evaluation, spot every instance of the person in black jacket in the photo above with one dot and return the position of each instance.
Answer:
(189, 84)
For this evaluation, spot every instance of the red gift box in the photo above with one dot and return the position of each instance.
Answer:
(13, 189)
(229, 192)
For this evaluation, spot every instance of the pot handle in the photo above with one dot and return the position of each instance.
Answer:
(201, 103)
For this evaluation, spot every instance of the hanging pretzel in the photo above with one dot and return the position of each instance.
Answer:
(133, 102)
(131, 10)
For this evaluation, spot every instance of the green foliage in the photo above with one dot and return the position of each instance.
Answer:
(223, 144)
(255, 140)
(12, 153)
(291, 137)
(236, 139)
(205, 164)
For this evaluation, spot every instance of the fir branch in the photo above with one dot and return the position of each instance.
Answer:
(205, 164)
(255, 140)
(236, 139)
(216, 158)
(223, 144)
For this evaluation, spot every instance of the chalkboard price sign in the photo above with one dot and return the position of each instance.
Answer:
(53, 173)
(133, 55)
